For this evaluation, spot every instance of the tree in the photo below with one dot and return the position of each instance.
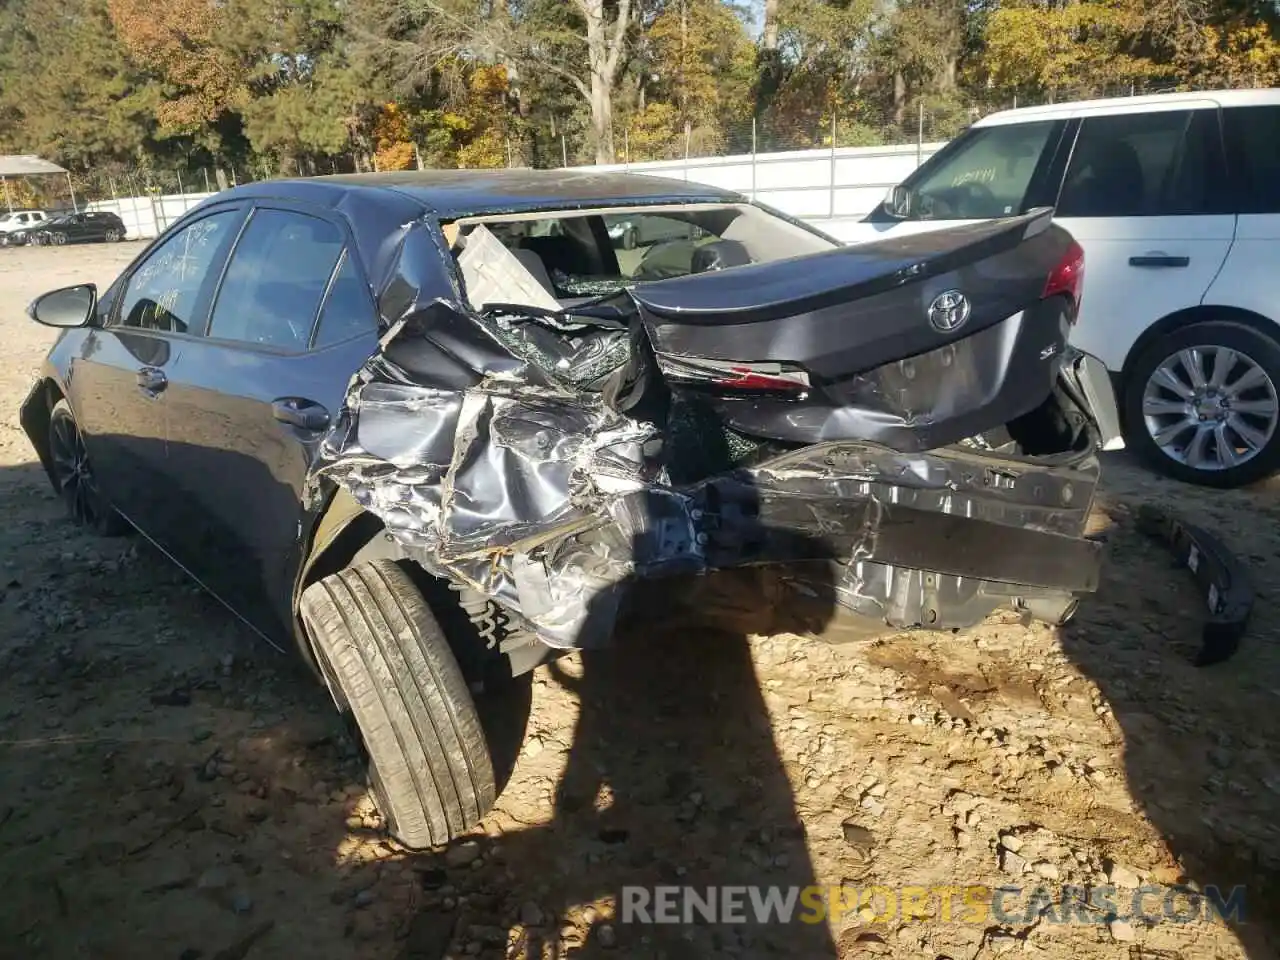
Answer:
(67, 90)
(305, 96)
(703, 61)
(180, 42)
(824, 51)
(584, 42)
(1083, 48)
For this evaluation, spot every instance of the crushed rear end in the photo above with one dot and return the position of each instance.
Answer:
(900, 426)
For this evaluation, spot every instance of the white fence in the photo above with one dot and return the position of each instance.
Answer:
(147, 217)
(831, 188)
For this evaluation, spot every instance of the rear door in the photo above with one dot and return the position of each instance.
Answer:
(1248, 279)
(292, 320)
(118, 384)
(1145, 195)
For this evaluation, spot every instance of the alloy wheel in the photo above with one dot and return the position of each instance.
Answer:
(72, 473)
(1210, 407)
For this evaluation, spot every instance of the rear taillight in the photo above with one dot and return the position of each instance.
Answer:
(735, 376)
(1067, 278)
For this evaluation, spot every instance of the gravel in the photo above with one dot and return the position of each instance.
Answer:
(1006, 754)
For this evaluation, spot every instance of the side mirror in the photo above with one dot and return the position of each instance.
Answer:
(898, 202)
(68, 307)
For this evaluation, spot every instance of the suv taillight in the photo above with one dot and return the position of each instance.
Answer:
(1067, 277)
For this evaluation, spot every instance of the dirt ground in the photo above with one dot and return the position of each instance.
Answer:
(172, 788)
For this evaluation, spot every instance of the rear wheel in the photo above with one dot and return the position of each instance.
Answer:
(1202, 405)
(73, 477)
(112, 236)
(389, 667)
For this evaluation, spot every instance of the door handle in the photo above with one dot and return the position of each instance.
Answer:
(1159, 260)
(151, 380)
(301, 413)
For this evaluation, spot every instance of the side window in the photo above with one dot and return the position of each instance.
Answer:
(277, 277)
(1252, 137)
(1142, 165)
(348, 310)
(984, 175)
(165, 291)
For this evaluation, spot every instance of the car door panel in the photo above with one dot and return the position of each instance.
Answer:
(240, 470)
(123, 424)
(244, 403)
(119, 381)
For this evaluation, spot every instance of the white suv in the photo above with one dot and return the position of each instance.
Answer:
(20, 220)
(1175, 199)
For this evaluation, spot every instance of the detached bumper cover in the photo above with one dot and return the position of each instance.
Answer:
(1222, 580)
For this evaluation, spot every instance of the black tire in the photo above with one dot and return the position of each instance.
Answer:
(112, 236)
(388, 663)
(1261, 349)
(59, 238)
(73, 479)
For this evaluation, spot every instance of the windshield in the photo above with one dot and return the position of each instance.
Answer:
(981, 175)
(579, 254)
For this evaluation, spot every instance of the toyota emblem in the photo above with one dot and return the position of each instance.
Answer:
(949, 311)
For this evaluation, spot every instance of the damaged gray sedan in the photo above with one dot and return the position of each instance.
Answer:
(412, 421)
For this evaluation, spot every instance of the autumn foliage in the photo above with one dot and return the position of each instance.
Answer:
(303, 86)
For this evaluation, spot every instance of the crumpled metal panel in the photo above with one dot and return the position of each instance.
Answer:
(502, 450)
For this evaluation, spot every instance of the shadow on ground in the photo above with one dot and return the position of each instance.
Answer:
(172, 786)
(1199, 744)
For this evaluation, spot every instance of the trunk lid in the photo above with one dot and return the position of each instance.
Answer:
(914, 342)
(856, 307)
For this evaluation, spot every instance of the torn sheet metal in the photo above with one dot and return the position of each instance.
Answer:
(528, 452)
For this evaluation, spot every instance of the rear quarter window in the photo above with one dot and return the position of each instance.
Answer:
(1253, 155)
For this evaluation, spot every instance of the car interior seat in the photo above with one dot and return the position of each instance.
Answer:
(560, 253)
(534, 264)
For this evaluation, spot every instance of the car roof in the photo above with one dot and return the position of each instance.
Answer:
(459, 193)
(1149, 103)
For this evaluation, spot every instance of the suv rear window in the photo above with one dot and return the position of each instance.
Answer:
(981, 175)
(1159, 164)
(1252, 134)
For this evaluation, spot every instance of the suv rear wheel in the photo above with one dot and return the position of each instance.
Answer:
(389, 668)
(1202, 404)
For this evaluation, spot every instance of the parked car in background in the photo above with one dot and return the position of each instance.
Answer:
(19, 220)
(1175, 199)
(79, 228)
(535, 423)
